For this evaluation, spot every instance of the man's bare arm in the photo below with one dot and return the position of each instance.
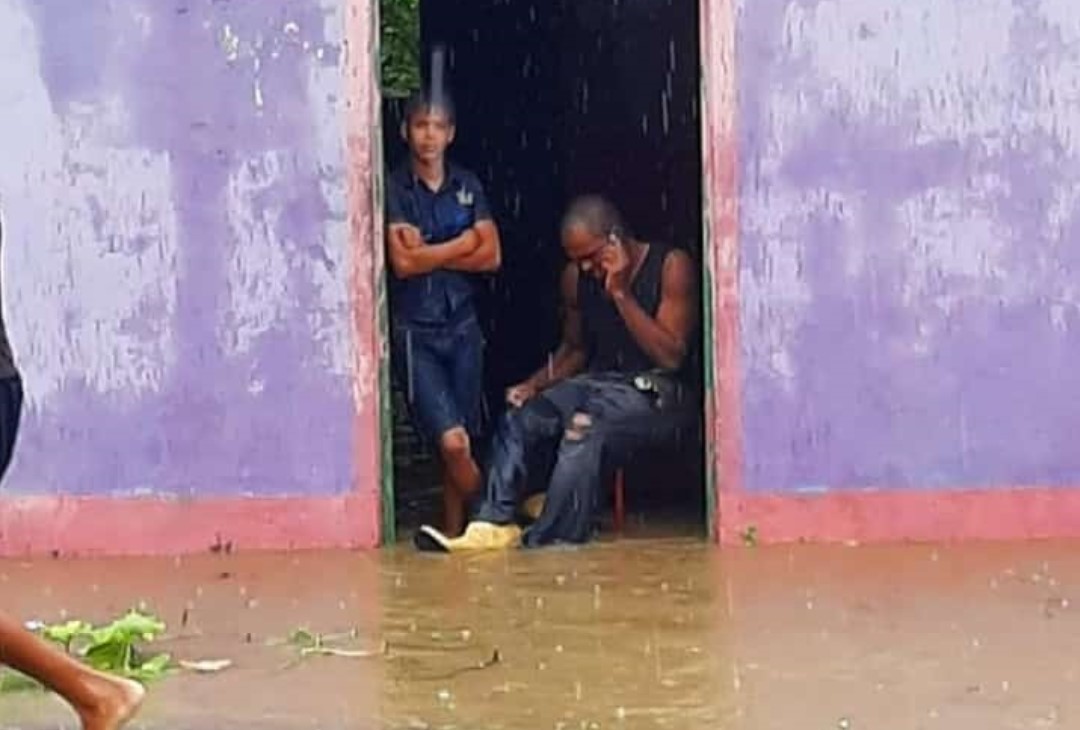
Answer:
(487, 256)
(569, 359)
(409, 256)
(665, 339)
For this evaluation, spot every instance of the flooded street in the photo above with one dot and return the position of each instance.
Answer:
(623, 634)
(614, 635)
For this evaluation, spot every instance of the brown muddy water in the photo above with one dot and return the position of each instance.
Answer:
(657, 633)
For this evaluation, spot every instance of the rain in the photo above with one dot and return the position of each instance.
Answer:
(790, 622)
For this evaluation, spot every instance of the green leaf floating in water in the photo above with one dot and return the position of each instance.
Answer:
(311, 643)
(304, 638)
(113, 648)
(66, 633)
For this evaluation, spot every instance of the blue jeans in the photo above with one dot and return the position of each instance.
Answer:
(539, 448)
(440, 368)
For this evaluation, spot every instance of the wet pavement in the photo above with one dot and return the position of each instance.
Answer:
(624, 634)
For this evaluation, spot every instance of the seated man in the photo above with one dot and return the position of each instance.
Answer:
(616, 384)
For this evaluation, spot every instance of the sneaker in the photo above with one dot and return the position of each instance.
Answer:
(430, 540)
(478, 536)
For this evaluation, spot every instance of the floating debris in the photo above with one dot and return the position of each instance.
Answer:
(206, 666)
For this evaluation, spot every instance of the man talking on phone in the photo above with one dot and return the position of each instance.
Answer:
(617, 383)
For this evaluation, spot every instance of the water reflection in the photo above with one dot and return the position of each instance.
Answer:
(626, 633)
(616, 633)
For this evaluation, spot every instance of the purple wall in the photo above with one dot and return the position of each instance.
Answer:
(910, 242)
(172, 174)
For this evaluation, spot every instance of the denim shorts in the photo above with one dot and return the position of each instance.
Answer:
(440, 368)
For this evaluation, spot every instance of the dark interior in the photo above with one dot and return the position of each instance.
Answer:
(555, 99)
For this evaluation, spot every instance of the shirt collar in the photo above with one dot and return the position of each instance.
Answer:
(452, 180)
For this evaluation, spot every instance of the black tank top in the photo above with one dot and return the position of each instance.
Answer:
(608, 342)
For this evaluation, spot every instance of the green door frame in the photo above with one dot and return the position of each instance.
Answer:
(388, 530)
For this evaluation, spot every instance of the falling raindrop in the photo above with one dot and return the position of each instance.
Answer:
(409, 362)
(438, 73)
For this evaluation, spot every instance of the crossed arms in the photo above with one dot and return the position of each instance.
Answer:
(476, 250)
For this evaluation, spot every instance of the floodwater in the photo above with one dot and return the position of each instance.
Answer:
(623, 634)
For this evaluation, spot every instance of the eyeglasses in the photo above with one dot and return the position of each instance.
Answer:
(592, 259)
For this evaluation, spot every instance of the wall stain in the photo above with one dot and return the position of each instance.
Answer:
(908, 224)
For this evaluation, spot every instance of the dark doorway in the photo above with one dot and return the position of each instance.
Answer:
(555, 99)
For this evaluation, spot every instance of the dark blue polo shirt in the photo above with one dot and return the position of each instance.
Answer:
(441, 296)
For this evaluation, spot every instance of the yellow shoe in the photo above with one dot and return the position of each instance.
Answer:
(486, 536)
(533, 506)
(478, 536)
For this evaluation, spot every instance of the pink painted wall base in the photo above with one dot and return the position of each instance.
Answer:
(100, 526)
(901, 516)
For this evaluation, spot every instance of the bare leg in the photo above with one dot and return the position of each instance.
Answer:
(453, 509)
(461, 478)
(101, 701)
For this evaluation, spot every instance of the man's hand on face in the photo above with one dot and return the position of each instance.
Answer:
(616, 263)
(520, 394)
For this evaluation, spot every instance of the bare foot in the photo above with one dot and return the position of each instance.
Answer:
(117, 701)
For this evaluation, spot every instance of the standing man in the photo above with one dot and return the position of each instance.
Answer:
(440, 236)
(102, 702)
(619, 382)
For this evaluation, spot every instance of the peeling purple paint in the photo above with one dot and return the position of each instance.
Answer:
(909, 243)
(208, 87)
